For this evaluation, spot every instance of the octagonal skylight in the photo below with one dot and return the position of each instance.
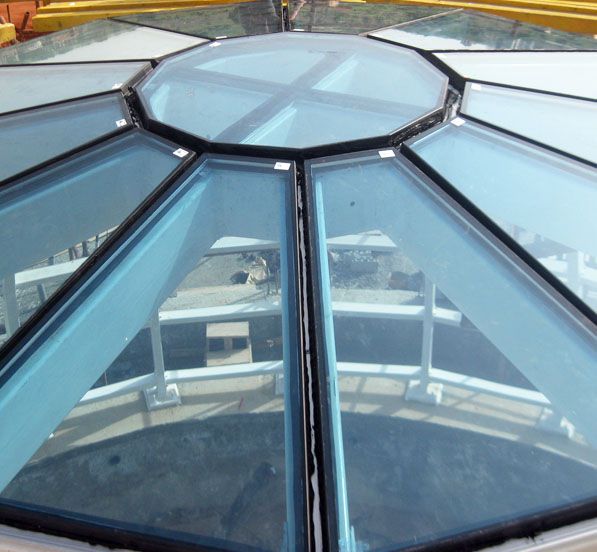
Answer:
(298, 291)
(325, 89)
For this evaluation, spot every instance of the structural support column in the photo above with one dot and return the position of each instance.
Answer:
(11, 310)
(162, 395)
(423, 390)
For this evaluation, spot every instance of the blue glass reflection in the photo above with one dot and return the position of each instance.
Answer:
(450, 371)
(545, 201)
(220, 431)
(34, 137)
(54, 219)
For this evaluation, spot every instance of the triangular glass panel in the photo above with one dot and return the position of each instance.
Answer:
(462, 395)
(170, 388)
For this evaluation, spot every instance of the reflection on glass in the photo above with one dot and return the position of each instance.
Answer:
(545, 201)
(101, 40)
(176, 410)
(21, 86)
(570, 73)
(232, 92)
(331, 16)
(53, 220)
(570, 126)
(461, 396)
(469, 30)
(248, 18)
(34, 137)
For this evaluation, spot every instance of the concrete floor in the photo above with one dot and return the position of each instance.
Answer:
(214, 466)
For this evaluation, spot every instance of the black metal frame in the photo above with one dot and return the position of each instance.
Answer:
(80, 148)
(105, 532)
(558, 290)
(321, 444)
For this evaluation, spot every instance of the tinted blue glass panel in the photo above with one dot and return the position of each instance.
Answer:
(21, 86)
(545, 201)
(34, 137)
(325, 89)
(352, 17)
(469, 30)
(570, 73)
(565, 123)
(177, 370)
(54, 219)
(101, 40)
(450, 368)
(228, 20)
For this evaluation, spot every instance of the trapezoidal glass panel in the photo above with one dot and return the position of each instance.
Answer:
(469, 30)
(54, 219)
(545, 201)
(571, 73)
(324, 89)
(25, 87)
(351, 18)
(229, 20)
(101, 40)
(172, 400)
(461, 394)
(564, 123)
(33, 137)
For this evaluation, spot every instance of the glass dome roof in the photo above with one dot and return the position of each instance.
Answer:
(265, 285)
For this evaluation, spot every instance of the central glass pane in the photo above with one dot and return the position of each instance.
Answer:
(171, 393)
(461, 394)
(324, 89)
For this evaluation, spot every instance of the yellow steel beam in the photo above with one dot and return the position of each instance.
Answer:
(46, 23)
(108, 5)
(579, 16)
(539, 6)
(588, 8)
(7, 32)
(574, 22)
